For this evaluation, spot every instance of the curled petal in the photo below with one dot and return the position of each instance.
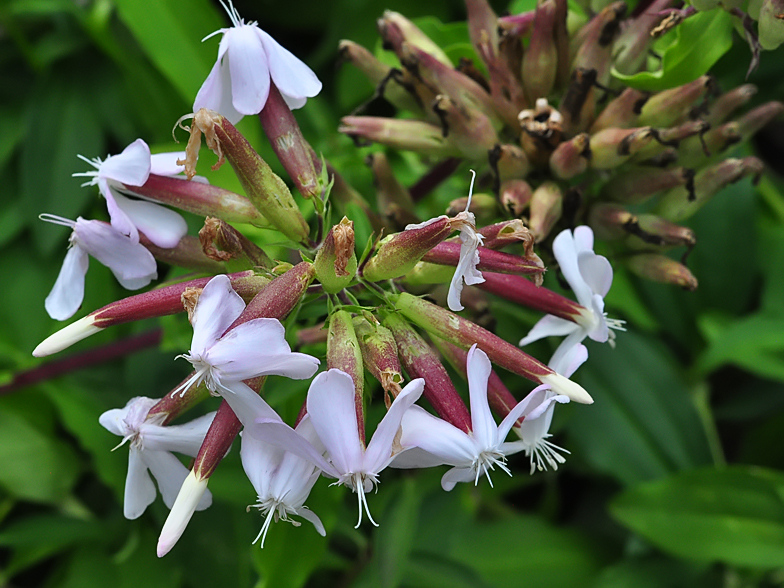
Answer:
(250, 81)
(119, 218)
(309, 515)
(571, 360)
(68, 291)
(218, 307)
(132, 166)
(162, 226)
(278, 433)
(457, 474)
(292, 77)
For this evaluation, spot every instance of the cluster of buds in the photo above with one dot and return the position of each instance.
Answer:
(557, 139)
(371, 320)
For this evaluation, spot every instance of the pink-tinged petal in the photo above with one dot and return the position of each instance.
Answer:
(292, 77)
(162, 226)
(215, 92)
(311, 516)
(565, 251)
(379, 451)
(437, 437)
(120, 220)
(239, 356)
(571, 360)
(566, 348)
(186, 438)
(293, 103)
(170, 473)
(281, 435)
(68, 290)
(450, 479)
(549, 326)
(334, 416)
(247, 405)
(218, 307)
(132, 166)
(250, 81)
(415, 457)
(259, 460)
(596, 271)
(165, 164)
(483, 425)
(113, 421)
(139, 489)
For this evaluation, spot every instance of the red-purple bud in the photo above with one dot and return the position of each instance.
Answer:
(448, 253)
(343, 354)
(571, 157)
(515, 195)
(519, 290)
(511, 232)
(379, 355)
(545, 209)
(610, 221)
(621, 112)
(509, 162)
(540, 60)
(672, 106)
(396, 29)
(280, 296)
(470, 131)
(402, 134)
(187, 254)
(729, 102)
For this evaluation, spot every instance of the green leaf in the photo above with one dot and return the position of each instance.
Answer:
(684, 59)
(733, 515)
(643, 424)
(394, 540)
(170, 32)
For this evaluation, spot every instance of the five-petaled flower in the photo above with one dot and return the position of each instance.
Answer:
(151, 445)
(590, 277)
(249, 60)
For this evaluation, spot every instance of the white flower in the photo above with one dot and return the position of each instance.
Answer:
(333, 414)
(132, 167)
(534, 432)
(131, 263)
(429, 441)
(257, 347)
(590, 277)
(150, 451)
(248, 58)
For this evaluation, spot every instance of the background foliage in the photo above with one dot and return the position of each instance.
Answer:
(675, 477)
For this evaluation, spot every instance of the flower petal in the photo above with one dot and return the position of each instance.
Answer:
(463, 474)
(466, 267)
(292, 77)
(215, 92)
(566, 349)
(114, 421)
(437, 437)
(165, 164)
(170, 473)
(68, 290)
(379, 451)
(250, 80)
(596, 271)
(311, 516)
(281, 435)
(571, 360)
(259, 460)
(163, 227)
(218, 307)
(119, 219)
(478, 368)
(139, 489)
(414, 457)
(549, 326)
(132, 166)
(565, 249)
(293, 103)
(186, 438)
(333, 414)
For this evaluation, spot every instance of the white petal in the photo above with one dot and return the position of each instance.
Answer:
(68, 291)
(292, 77)
(309, 515)
(583, 238)
(455, 475)
(120, 220)
(415, 457)
(333, 414)
(379, 451)
(600, 331)
(281, 435)
(523, 408)
(437, 437)
(596, 271)
(240, 355)
(139, 489)
(218, 307)
(170, 473)
(293, 103)
(478, 368)
(114, 421)
(132, 166)
(165, 164)
(186, 438)
(250, 80)
(565, 250)
(215, 92)
(466, 267)
(571, 360)
(549, 326)
(162, 226)
(129, 261)
(566, 350)
(426, 223)
(188, 500)
(247, 404)
(259, 460)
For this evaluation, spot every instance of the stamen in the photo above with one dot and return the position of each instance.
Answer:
(470, 190)
(57, 220)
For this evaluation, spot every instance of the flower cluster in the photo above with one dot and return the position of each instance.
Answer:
(585, 165)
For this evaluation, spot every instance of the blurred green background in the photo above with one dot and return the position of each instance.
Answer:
(675, 477)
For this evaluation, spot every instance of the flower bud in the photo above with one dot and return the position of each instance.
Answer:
(515, 196)
(420, 361)
(483, 206)
(400, 252)
(402, 134)
(612, 147)
(506, 233)
(396, 29)
(678, 204)
(222, 242)
(571, 157)
(162, 301)
(201, 199)
(610, 221)
(519, 290)
(184, 506)
(463, 333)
(379, 355)
(578, 104)
(659, 268)
(394, 200)
(542, 132)
(424, 273)
(280, 296)
(755, 119)
(187, 254)
(622, 112)
(448, 253)
(546, 208)
(693, 151)
(343, 354)
(336, 260)
(312, 335)
(729, 102)
(639, 184)
(657, 231)
(634, 42)
(509, 162)
(267, 191)
(672, 106)
(470, 131)
(540, 61)
(595, 52)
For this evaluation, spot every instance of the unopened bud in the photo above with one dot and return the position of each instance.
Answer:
(671, 107)
(578, 104)
(186, 254)
(729, 102)
(396, 29)
(610, 221)
(515, 196)
(336, 260)
(622, 112)
(597, 46)
(540, 60)
(188, 498)
(312, 335)
(638, 185)
(448, 253)
(659, 268)
(401, 134)
(542, 132)
(379, 355)
(509, 162)
(612, 147)
(420, 361)
(634, 42)
(222, 242)
(571, 157)
(545, 210)
(483, 206)
(511, 232)
(755, 119)
(280, 296)
(470, 131)
(519, 290)
(693, 151)
(657, 231)
(390, 192)
(343, 353)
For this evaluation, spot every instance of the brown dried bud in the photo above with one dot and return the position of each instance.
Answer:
(222, 242)
(336, 260)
